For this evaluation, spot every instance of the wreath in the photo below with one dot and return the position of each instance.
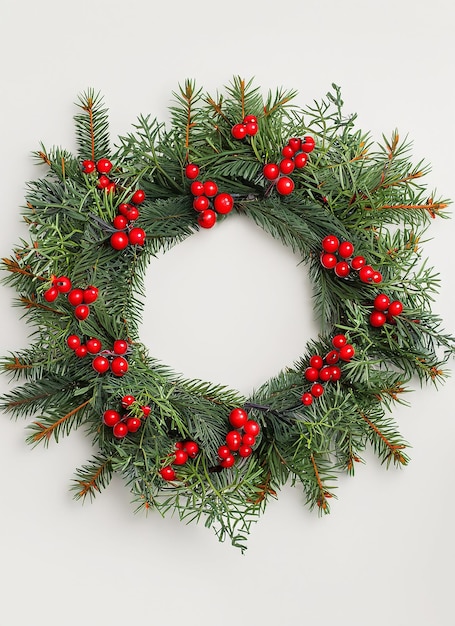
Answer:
(352, 209)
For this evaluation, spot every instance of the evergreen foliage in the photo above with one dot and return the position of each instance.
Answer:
(373, 196)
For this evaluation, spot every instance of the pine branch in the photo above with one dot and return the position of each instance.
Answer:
(47, 427)
(323, 493)
(92, 132)
(387, 450)
(92, 477)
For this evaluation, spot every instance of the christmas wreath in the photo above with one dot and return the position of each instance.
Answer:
(352, 209)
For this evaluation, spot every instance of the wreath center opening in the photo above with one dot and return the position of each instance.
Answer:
(227, 305)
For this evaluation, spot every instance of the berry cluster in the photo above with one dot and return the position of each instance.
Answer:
(78, 298)
(105, 360)
(206, 199)
(124, 423)
(384, 310)
(295, 155)
(102, 167)
(184, 450)
(323, 370)
(59, 284)
(126, 214)
(248, 128)
(338, 256)
(236, 441)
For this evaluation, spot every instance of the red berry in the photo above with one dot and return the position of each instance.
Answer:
(357, 262)
(119, 366)
(325, 373)
(178, 445)
(138, 196)
(104, 166)
(145, 411)
(132, 213)
(136, 237)
(271, 171)
(316, 361)
(75, 297)
(239, 131)
(308, 144)
(395, 308)
(223, 203)
(180, 457)
(62, 283)
(245, 451)
(346, 249)
(51, 294)
(248, 440)
(100, 364)
(228, 461)
(81, 311)
(119, 222)
(377, 319)
(307, 399)
(120, 346)
(120, 430)
(111, 417)
(73, 342)
(336, 372)
(238, 417)
(191, 448)
(381, 302)
(127, 401)
(133, 424)
(288, 152)
(300, 160)
(103, 182)
(119, 240)
(366, 274)
(206, 219)
(295, 143)
(88, 166)
(124, 209)
(342, 269)
(330, 243)
(167, 473)
(376, 277)
(252, 128)
(201, 203)
(332, 357)
(90, 294)
(210, 188)
(81, 351)
(197, 188)
(339, 341)
(93, 345)
(191, 171)
(285, 186)
(224, 452)
(287, 166)
(110, 187)
(252, 428)
(250, 119)
(317, 390)
(328, 260)
(234, 440)
(311, 374)
(347, 352)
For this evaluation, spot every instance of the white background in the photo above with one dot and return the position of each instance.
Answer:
(386, 553)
